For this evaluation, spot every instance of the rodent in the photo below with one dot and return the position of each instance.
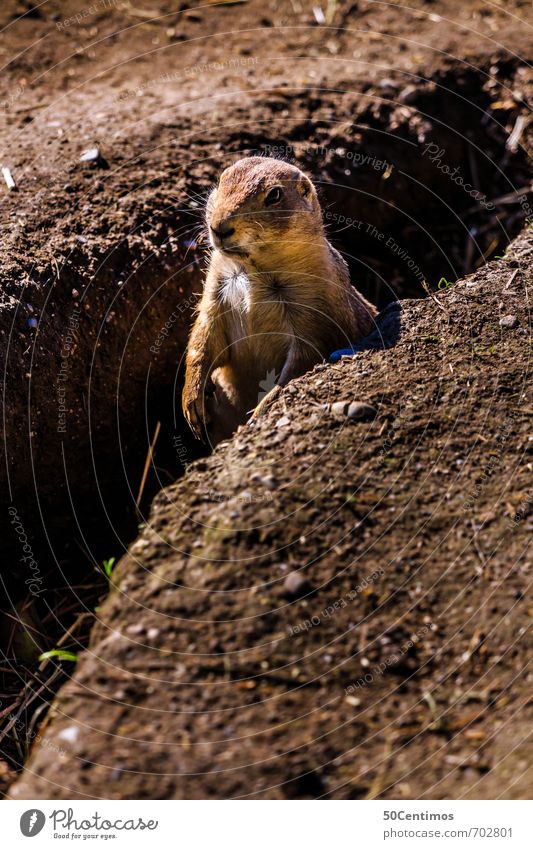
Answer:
(277, 298)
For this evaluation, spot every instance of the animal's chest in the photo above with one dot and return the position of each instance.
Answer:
(257, 306)
(258, 323)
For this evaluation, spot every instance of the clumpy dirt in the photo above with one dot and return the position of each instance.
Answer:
(214, 682)
(399, 669)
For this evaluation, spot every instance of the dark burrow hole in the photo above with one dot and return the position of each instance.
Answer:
(419, 192)
(390, 186)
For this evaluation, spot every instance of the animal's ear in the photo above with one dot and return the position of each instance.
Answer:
(305, 187)
(210, 201)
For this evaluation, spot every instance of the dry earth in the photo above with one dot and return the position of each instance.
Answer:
(200, 678)
(401, 670)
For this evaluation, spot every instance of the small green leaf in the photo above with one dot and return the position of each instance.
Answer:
(59, 654)
(108, 566)
(444, 284)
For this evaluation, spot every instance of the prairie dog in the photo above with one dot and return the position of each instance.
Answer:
(277, 298)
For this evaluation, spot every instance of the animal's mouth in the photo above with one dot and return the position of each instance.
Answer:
(227, 248)
(233, 251)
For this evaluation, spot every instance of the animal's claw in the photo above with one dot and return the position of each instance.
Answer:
(265, 402)
(195, 414)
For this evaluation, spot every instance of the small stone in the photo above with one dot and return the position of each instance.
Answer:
(175, 34)
(269, 481)
(295, 585)
(361, 412)
(9, 179)
(283, 421)
(339, 408)
(356, 410)
(69, 734)
(388, 88)
(509, 321)
(409, 94)
(91, 154)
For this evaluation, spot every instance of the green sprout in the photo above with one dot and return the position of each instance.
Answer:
(59, 654)
(108, 566)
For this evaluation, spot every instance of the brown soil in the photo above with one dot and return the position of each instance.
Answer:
(202, 678)
(112, 250)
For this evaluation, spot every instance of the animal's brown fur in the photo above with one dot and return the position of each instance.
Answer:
(277, 297)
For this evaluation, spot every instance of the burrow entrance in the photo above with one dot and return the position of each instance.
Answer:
(419, 186)
(425, 185)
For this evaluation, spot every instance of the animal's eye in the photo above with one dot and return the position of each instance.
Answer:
(274, 196)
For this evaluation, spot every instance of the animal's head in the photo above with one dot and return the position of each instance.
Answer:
(262, 207)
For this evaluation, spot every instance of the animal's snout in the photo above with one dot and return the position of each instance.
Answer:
(222, 230)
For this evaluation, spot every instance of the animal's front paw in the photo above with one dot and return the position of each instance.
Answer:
(195, 412)
(265, 403)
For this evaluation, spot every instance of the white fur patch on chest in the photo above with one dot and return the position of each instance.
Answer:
(235, 291)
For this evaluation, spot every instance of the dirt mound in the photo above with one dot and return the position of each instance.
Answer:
(325, 606)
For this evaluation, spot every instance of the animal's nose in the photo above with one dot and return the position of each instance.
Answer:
(223, 230)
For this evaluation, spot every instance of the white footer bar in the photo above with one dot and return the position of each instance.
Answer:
(268, 825)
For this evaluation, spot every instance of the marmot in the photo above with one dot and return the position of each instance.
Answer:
(277, 298)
